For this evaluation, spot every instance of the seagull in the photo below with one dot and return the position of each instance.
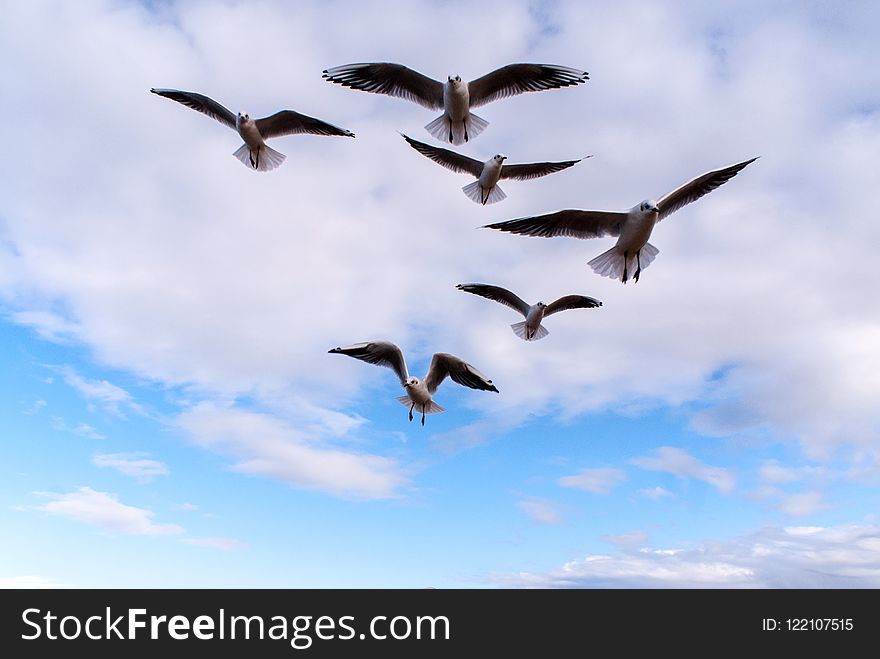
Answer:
(255, 153)
(485, 189)
(456, 98)
(632, 227)
(531, 328)
(419, 392)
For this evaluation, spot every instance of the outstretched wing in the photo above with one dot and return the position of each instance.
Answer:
(381, 353)
(516, 79)
(392, 79)
(449, 159)
(288, 122)
(572, 223)
(536, 169)
(497, 294)
(696, 188)
(571, 302)
(460, 371)
(199, 103)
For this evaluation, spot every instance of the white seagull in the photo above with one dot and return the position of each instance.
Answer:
(255, 153)
(485, 190)
(419, 392)
(632, 227)
(531, 328)
(456, 98)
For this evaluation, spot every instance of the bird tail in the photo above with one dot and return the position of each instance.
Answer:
(611, 263)
(520, 330)
(265, 159)
(431, 408)
(459, 132)
(477, 193)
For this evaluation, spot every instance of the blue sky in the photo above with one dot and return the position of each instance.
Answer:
(171, 417)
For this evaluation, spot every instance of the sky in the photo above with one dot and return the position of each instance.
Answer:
(170, 416)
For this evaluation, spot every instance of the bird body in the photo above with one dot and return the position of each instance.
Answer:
(534, 316)
(531, 328)
(419, 393)
(491, 172)
(255, 153)
(633, 228)
(458, 124)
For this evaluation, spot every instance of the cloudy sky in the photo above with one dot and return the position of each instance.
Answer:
(171, 417)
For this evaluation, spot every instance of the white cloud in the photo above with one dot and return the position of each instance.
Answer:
(802, 503)
(104, 393)
(105, 511)
(598, 481)
(35, 407)
(655, 493)
(681, 464)
(631, 540)
(773, 472)
(263, 445)
(119, 272)
(794, 557)
(541, 511)
(81, 429)
(187, 507)
(223, 544)
(135, 465)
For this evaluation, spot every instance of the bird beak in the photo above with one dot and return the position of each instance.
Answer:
(655, 209)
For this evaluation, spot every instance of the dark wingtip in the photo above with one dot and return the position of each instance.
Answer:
(334, 350)
(459, 286)
(495, 389)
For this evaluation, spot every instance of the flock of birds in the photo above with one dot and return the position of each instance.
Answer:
(457, 125)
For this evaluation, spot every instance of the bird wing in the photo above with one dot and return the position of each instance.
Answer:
(381, 353)
(497, 294)
(288, 122)
(444, 364)
(449, 159)
(572, 223)
(392, 79)
(696, 188)
(516, 79)
(571, 302)
(535, 169)
(199, 103)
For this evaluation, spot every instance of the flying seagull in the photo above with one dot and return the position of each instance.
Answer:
(255, 153)
(485, 189)
(531, 328)
(456, 98)
(632, 228)
(419, 392)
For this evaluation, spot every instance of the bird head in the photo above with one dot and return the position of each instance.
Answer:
(649, 205)
(455, 80)
(242, 118)
(411, 382)
(500, 157)
(541, 305)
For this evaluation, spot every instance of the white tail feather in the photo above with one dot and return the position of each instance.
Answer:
(459, 132)
(480, 195)
(520, 330)
(266, 158)
(432, 407)
(611, 263)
